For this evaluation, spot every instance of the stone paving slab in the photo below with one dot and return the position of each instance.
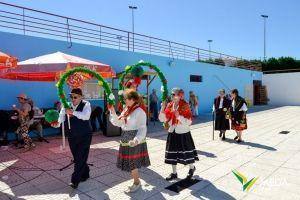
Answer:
(271, 157)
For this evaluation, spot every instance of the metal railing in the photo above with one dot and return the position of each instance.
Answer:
(32, 22)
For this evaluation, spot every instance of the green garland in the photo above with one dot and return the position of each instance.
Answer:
(131, 68)
(102, 82)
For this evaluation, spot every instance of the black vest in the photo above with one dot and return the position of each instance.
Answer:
(237, 114)
(79, 127)
(239, 102)
(226, 103)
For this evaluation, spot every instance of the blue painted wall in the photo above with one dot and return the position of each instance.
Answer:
(44, 94)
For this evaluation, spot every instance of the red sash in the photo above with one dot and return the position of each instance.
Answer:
(183, 109)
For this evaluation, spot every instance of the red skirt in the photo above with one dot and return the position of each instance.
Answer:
(238, 127)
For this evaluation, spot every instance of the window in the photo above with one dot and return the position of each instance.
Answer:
(91, 90)
(195, 78)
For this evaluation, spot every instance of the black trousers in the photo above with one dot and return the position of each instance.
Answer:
(80, 147)
(4, 126)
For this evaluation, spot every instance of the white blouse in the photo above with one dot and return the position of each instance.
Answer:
(243, 108)
(135, 121)
(220, 105)
(182, 127)
(85, 114)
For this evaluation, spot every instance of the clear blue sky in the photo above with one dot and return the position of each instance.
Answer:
(235, 26)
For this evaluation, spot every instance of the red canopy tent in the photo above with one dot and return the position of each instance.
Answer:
(7, 61)
(50, 67)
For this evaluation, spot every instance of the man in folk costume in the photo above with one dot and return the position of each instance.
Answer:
(79, 134)
(133, 153)
(180, 146)
(238, 114)
(221, 108)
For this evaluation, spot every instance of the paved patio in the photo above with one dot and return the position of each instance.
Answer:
(272, 157)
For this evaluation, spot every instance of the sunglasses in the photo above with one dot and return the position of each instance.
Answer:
(73, 97)
(21, 98)
(173, 94)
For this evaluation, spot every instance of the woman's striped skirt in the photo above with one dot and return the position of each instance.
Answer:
(180, 149)
(130, 158)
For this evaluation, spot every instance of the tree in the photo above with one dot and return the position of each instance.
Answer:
(282, 63)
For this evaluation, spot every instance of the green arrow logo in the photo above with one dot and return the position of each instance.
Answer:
(243, 179)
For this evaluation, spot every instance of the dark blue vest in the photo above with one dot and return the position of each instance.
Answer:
(79, 127)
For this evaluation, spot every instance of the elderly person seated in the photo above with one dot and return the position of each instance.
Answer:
(24, 111)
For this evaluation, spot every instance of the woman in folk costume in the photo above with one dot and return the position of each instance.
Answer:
(133, 153)
(132, 85)
(238, 114)
(180, 146)
(221, 108)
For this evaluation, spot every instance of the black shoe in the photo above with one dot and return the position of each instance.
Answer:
(239, 141)
(223, 138)
(236, 137)
(74, 185)
(191, 173)
(172, 177)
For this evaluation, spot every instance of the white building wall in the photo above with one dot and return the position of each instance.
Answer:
(283, 88)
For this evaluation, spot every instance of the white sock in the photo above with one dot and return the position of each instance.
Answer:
(174, 168)
(191, 166)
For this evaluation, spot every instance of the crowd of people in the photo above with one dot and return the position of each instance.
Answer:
(176, 114)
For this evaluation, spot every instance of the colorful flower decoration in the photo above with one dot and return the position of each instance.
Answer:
(100, 83)
(137, 72)
(66, 75)
(75, 80)
(111, 96)
(120, 92)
